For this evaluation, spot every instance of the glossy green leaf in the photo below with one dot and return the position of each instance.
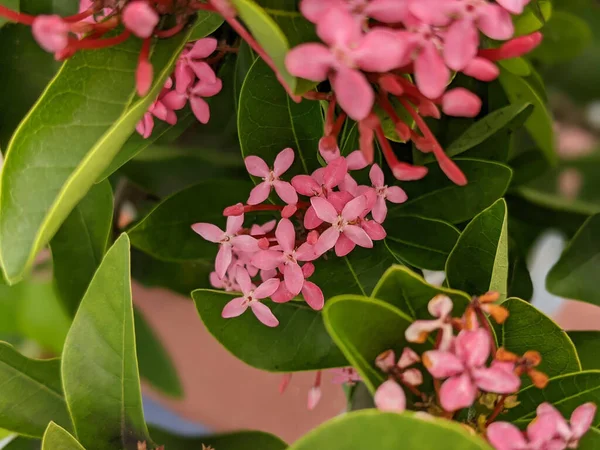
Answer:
(57, 438)
(300, 342)
(269, 121)
(517, 66)
(243, 61)
(587, 344)
(23, 443)
(420, 242)
(574, 275)
(479, 261)
(534, 17)
(372, 429)
(360, 340)
(11, 4)
(154, 362)
(565, 392)
(591, 440)
(32, 394)
(166, 232)
(529, 329)
(519, 278)
(94, 111)
(539, 124)
(565, 37)
(207, 22)
(410, 293)
(79, 244)
(240, 440)
(436, 197)
(99, 364)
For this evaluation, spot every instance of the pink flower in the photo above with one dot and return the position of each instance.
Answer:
(460, 102)
(392, 194)
(226, 283)
(143, 77)
(440, 307)
(464, 366)
(177, 100)
(140, 18)
(289, 255)
(513, 6)
(251, 298)
(400, 370)
(310, 291)
(345, 375)
(258, 167)
(347, 51)
(51, 32)
(390, 397)
(229, 240)
(387, 11)
(581, 421)
(343, 223)
(190, 65)
(158, 110)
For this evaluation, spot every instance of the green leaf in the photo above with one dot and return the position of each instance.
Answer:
(420, 242)
(539, 124)
(436, 197)
(32, 394)
(99, 364)
(565, 37)
(57, 438)
(587, 344)
(155, 363)
(241, 440)
(410, 293)
(23, 443)
(519, 278)
(244, 60)
(479, 261)
(166, 233)
(565, 393)
(300, 342)
(533, 18)
(591, 440)
(528, 329)
(11, 4)
(269, 121)
(574, 275)
(372, 429)
(79, 244)
(517, 66)
(207, 22)
(360, 340)
(41, 183)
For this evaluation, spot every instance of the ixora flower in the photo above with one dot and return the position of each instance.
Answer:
(258, 167)
(251, 299)
(440, 307)
(389, 395)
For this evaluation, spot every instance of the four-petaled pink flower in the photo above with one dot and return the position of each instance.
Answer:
(348, 52)
(190, 65)
(464, 366)
(392, 194)
(228, 240)
(440, 307)
(251, 297)
(310, 291)
(258, 167)
(287, 255)
(344, 223)
(195, 95)
(389, 395)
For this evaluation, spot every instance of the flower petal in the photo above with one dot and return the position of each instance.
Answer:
(505, 436)
(497, 380)
(311, 61)
(442, 364)
(267, 259)
(223, 260)
(390, 397)
(306, 252)
(376, 176)
(460, 44)
(244, 243)
(311, 220)
(234, 308)
(283, 161)
(357, 235)
(414, 377)
(203, 48)
(264, 314)
(338, 26)
(408, 358)
(356, 160)
(293, 277)
(286, 192)
(380, 50)
(256, 166)
(200, 109)
(582, 418)
(208, 231)
(324, 210)
(375, 231)
(354, 208)
(286, 235)
(234, 224)
(473, 347)
(457, 392)
(243, 279)
(343, 246)
(267, 288)
(259, 193)
(440, 306)
(496, 22)
(327, 240)
(379, 211)
(335, 172)
(306, 185)
(354, 93)
(313, 295)
(396, 194)
(431, 73)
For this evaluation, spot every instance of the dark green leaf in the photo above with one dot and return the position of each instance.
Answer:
(420, 242)
(206, 23)
(372, 429)
(99, 364)
(57, 438)
(519, 279)
(300, 342)
(360, 340)
(244, 60)
(92, 110)
(587, 344)
(479, 261)
(23, 443)
(32, 393)
(565, 37)
(591, 440)
(242, 440)
(528, 329)
(155, 363)
(269, 121)
(565, 392)
(436, 197)
(539, 124)
(575, 274)
(79, 244)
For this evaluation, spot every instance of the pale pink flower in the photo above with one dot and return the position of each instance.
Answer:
(580, 422)
(439, 307)
(51, 32)
(228, 240)
(258, 167)
(392, 194)
(251, 297)
(464, 367)
(343, 223)
(460, 102)
(177, 100)
(286, 254)
(390, 397)
(345, 375)
(387, 363)
(190, 64)
(347, 52)
(386, 11)
(311, 293)
(140, 18)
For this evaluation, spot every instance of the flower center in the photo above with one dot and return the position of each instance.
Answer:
(271, 178)
(381, 191)
(343, 57)
(340, 224)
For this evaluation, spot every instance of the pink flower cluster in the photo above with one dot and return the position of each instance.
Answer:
(336, 213)
(194, 80)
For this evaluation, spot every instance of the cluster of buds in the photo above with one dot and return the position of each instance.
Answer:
(337, 213)
(461, 373)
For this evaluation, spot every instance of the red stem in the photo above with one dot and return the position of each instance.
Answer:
(102, 43)
(15, 16)
(497, 410)
(77, 17)
(170, 32)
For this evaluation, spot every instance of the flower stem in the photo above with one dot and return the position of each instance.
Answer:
(15, 16)
(497, 410)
